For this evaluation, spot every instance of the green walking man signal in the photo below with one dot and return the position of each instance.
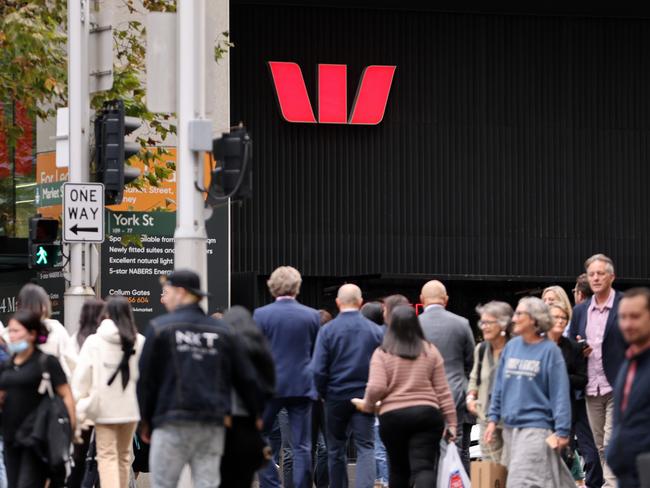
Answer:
(41, 255)
(45, 256)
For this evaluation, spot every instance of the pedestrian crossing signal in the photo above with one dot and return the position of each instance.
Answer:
(45, 256)
(43, 252)
(41, 255)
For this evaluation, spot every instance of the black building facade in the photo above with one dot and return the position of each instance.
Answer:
(513, 147)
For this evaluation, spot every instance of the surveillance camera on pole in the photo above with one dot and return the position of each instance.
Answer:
(112, 151)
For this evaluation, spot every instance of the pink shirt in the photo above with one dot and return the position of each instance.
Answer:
(597, 316)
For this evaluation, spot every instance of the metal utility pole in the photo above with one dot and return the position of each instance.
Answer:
(79, 112)
(190, 237)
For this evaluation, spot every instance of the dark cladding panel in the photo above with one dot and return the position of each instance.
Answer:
(511, 145)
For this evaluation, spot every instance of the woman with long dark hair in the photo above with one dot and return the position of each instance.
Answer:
(20, 379)
(104, 385)
(407, 375)
(89, 319)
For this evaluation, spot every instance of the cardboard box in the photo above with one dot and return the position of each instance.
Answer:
(488, 475)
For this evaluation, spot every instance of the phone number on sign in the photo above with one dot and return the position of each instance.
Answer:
(138, 299)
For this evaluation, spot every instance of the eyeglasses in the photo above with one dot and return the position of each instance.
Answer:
(486, 323)
(557, 318)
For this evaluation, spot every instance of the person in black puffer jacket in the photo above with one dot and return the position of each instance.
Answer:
(245, 450)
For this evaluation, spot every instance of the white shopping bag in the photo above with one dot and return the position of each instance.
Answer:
(451, 473)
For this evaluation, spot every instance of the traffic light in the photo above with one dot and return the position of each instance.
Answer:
(112, 151)
(234, 177)
(43, 252)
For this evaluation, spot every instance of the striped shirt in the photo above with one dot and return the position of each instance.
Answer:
(401, 383)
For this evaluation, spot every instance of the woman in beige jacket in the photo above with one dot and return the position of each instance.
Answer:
(104, 385)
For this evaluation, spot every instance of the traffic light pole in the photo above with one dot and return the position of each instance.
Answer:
(190, 237)
(78, 172)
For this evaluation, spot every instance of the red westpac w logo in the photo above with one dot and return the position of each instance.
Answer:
(368, 107)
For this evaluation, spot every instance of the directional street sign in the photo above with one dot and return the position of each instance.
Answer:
(83, 212)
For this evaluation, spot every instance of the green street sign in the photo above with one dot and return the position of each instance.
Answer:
(49, 194)
(141, 223)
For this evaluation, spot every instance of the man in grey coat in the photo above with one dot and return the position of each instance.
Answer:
(453, 337)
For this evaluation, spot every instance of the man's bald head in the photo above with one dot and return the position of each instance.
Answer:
(349, 296)
(434, 293)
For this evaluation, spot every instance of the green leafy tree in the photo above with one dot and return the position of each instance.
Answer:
(32, 58)
(33, 71)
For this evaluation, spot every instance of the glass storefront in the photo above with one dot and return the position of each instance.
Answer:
(17, 173)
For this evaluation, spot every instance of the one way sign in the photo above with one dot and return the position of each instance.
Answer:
(83, 212)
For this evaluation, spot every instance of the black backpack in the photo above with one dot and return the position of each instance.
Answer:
(47, 429)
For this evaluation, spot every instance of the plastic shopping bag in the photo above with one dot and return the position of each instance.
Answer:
(451, 473)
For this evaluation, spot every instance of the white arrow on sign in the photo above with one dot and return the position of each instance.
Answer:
(83, 212)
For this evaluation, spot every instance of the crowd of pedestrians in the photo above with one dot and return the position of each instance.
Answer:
(560, 393)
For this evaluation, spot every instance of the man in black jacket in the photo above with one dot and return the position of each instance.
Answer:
(188, 366)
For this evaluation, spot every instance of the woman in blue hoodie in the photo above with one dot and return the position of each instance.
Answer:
(531, 398)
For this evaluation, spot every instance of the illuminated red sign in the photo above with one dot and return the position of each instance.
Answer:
(368, 107)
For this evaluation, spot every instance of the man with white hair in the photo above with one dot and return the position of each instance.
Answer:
(453, 337)
(596, 321)
(291, 330)
(340, 365)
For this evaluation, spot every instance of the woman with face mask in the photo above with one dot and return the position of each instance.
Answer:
(20, 378)
(35, 299)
